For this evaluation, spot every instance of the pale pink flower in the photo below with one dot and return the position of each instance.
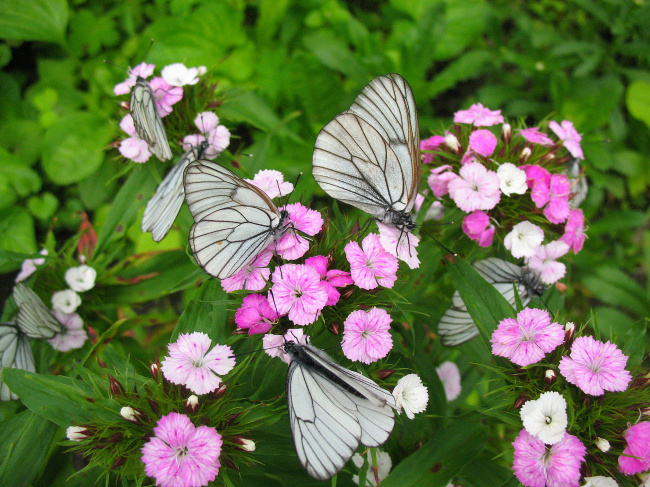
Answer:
(331, 279)
(73, 336)
(366, 336)
(191, 364)
(544, 261)
(450, 377)
(217, 136)
(638, 445)
(297, 290)
(66, 301)
(274, 344)
(143, 70)
(479, 115)
(527, 339)
(435, 212)
(256, 314)
(569, 136)
(534, 136)
(595, 367)
(483, 142)
(477, 227)
(293, 246)
(134, 147)
(432, 143)
(555, 195)
(401, 243)
(180, 454)
(574, 231)
(370, 264)
(439, 180)
(524, 239)
(475, 189)
(29, 267)
(272, 183)
(165, 95)
(252, 277)
(537, 465)
(178, 74)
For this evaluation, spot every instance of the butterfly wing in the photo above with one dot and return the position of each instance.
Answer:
(15, 353)
(33, 318)
(146, 120)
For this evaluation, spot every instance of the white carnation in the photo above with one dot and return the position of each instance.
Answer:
(546, 417)
(65, 301)
(511, 179)
(411, 395)
(81, 278)
(524, 239)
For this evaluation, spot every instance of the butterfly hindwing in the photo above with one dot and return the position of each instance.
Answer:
(15, 353)
(33, 318)
(147, 121)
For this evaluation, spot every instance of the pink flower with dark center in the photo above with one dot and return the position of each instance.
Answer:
(370, 264)
(638, 445)
(191, 364)
(543, 261)
(330, 280)
(180, 454)
(165, 95)
(595, 367)
(527, 339)
(534, 136)
(214, 134)
(272, 183)
(256, 314)
(574, 231)
(274, 344)
(558, 465)
(293, 246)
(432, 143)
(478, 115)
(142, 70)
(476, 188)
(73, 336)
(366, 337)
(297, 290)
(401, 243)
(477, 227)
(483, 142)
(569, 136)
(252, 277)
(134, 147)
(439, 180)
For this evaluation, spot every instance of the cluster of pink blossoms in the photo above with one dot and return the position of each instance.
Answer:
(494, 181)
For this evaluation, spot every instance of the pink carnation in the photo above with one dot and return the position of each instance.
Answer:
(439, 180)
(370, 264)
(366, 337)
(252, 277)
(217, 136)
(401, 243)
(274, 344)
(272, 183)
(569, 137)
(165, 95)
(536, 175)
(555, 195)
(478, 115)
(544, 261)
(73, 336)
(134, 147)
(574, 231)
(330, 280)
(476, 188)
(293, 246)
(477, 227)
(256, 314)
(638, 445)
(534, 136)
(297, 290)
(432, 143)
(142, 70)
(483, 142)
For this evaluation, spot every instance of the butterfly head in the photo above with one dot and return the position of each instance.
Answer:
(398, 219)
(533, 285)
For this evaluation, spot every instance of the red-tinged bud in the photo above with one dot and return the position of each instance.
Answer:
(645, 411)
(240, 331)
(155, 370)
(116, 388)
(235, 163)
(192, 404)
(78, 433)
(245, 444)
(88, 239)
(569, 332)
(452, 142)
(547, 158)
(154, 405)
(130, 414)
(334, 328)
(384, 374)
(221, 390)
(347, 294)
(232, 418)
(119, 461)
(355, 228)
(550, 376)
(116, 438)
(520, 401)
(561, 287)
(330, 258)
(125, 105)
(227, 462)
(525, 154)
(506, 132)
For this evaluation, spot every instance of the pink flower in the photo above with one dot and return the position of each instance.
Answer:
(483, 142)
(569, 137)
(142, 70)
(574, 231)
(165, 95)
(435, 212)
(439, 180)
(29, 267)
(293, 246)
(370, 264)
(134, 147)
(638, 445)
(297, 290)
(595, 367)
(190, 364)
(180, 454)
(401, 243)
(432, 143)
(366, 336)
(255, 314)
(330, 280)
(477, 227)
(272, 183)
(556, 194)
(476, 188)
(252, 277)
(536, 175)
(73, 336)
(527, 339)
(543, 261)
(274, 344)
(450, 377)
(558, 465)
(478, 115)
(216, 135)
(534, 136)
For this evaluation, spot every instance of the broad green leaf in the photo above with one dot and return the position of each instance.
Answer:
(17, 231)
(464, 21)
(10, 261)
(207, 312)
(43, 206)
(34, 20)
(637, 100)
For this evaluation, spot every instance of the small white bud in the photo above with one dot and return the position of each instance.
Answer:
(525, 154)
(245, 444)
(602, 444)
(452, 142)
(76, 433)
(506, 131)
(550, 376)
(192, 404)
(129, 414)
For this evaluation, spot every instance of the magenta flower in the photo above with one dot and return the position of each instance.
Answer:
(190, 364)
(134, 147)
(439, 180)
(274, 344)
(74, 335)
(478, 115)
(536, 175)
(534, 136)
(432, 143)
(475, 189)
(272, 183)
(293, 246)
(370, 264)
(527, 339)
(330, 280)
(558, 465)
(555, 196)
(165, 95)
(595, 367)
(638, 445)
(180, 454)
(401, 243)
(544, 261)
(477, 227)
(569, 137)
(574, 231)
(252, 277)
(214, 134)
(483, 142)
(297, 290)
(142, 70)
(366, 335)
(255, 314)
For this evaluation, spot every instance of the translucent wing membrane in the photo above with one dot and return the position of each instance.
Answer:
(146, 120)
(15, 353)
(33, 318)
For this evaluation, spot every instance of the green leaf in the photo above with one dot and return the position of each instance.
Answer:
(466, 66)
(34, 20)
(10, 261)
(43, 206)
(207, 313)
(637, 100)
(17, 231)
(75, 147)
(614, 287)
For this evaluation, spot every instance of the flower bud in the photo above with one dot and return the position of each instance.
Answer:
(547, 158)
(384, 374)
(192, 404)
(520, 401)
(645, 411)
(155, 370)
(334, 328)
(602, 444)
(130, 414)
(119, 461)
(506, 132)
(124, 105)
(77, 433)
(550, 376)
(221, 390)
(232, 418)
(561, 287)
(525, 154)
(569, 331)
(452, 142)
(347, 294)
(154, 405)
(116, 438)
(116, 388)
(355, 228)
(245, 444)
(227, 462)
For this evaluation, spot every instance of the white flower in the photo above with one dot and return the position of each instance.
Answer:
(411, 395)
(524, 239)
(511, 179)
(450, 378)
(384, 464)
(602, 444)
(76, 433)
(81, 278)
(65, 301)
(179, 75)
(452, 142)
(546, 417)
(600, 481)
(29, 267)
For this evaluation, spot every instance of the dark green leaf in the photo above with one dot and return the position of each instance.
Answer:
(207, 313)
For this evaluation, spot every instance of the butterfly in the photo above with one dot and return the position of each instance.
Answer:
(233, 220)
(163, 207)
(332, 409)
(457, 326)
(578, 180)
(369, 156)
(147, 121)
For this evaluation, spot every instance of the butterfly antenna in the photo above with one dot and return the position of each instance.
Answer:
(449, 251)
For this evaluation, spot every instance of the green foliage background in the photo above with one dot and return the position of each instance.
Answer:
(285, 68)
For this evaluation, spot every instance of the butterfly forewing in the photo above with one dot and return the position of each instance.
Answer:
(147, 121)
(15, 353)
(33, 318)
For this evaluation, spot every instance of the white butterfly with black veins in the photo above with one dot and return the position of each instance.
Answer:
(147, 121)
(233, 220)
(332, 410)
(457, 326)
(163, 207)
(33, 320)
(369, 155)
(579, 185)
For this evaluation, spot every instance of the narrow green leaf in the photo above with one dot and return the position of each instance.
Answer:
(207, 313)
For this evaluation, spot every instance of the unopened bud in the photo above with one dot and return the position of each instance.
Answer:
(77, 433)
(602, 444)
(116, 438)
(520, 401)
(334, 328)
(155, 370)
(221, 390)
(227, 462)
(154, 405)
(232, 417)
(130, 414)
(506, 132)
(119, 461)
(525, 154)
(550, 376)
(569, 331)
(645, 411)
(547, 158)
(124, 105)
(347, 294)
(384, 374)
(452, 142)
(355, 228)
(116, 387)
(192, 404)
(561, 287)
(245, 444)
